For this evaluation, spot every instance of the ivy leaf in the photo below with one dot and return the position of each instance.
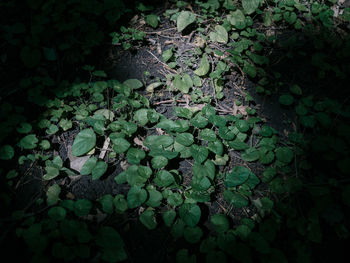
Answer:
(120, 145)
(84, 142)
(6, 152)
(220, 223)
(284, 154)
(184, 19)
(88, 166)
(65, 124)
(250, 155)
(220, 35)
(250, 6)
(286, 99)
(193, 234)
(206, 170)
(120, 203)
(82, 207)
(24, 128)
(203, 66)
(141, 116)
(107, 203)
(111, 244)
(238, 176)
(167, 54)
(155, 198)
(152, 20)
(175, 199)
(159, 162)
(158, 141)
(237, 19)
(238, 145)
(190, 214)
(148, 219)
(199, 121)
(169, 217)
(164, 178)
(136, 196)
(28, 142)
(208, 135)
(199, 153)
(51, 172)
(135, 155)
(216, 147)
(242, 125)
(236, 199)
(183, 112)
(52, 194)
(200, 183)
(99, 170)
(185, 139)
(133, 83)
(57, 213)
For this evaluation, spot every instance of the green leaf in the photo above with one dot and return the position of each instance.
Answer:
(148, 219)
(250, 155)
(158, 141)
(167, 54)
(65, 124)
(200, 183)
(208, 135)
(193, 234)
(219, 35)
(178, 228)
(120, 145)
(88, 166)
(175, 199)
(190, 214)
(136, 196)
(242, 125)
(24, 128)
(206, 170)
(152, 20)
(250, 6)
(120, 204)
(141, 116)
(57, 213)
(237, 19)
(51, 172)
(99, 170)
(133, 83)
(199, 121)
(252, 181)
(135, 155)
(28, 142)
(226, 133)
(164, 178)
(107, 203)
(52, 194)
(159, 162)
(169, 217)
(295, 89)
(82, 207)
(184, 19)
(286, 99)
(112, 245)
(238, 145)
(183, 112)
(204, 66)
(6, 152)
(216, 147)
(220, 223)
(183, 256)
(84, 142)
(284, 154)
(238, 176)
(155, 198)
(185, 139)
(199, 153)
(237, 200)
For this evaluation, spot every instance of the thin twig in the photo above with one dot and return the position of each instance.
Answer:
(165, 65)
(168, 101)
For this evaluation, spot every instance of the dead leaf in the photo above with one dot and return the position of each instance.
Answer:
(124, 165)
(78, 163)
(104, 148)
(139, 142)
(69, 195)
(160, 131)
(159, 49)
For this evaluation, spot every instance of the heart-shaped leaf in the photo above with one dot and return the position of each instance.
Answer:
(148, 219)
(84, 142)
(204, 66)
(250, 6)
(6, 152)
(184, 19)
(136, 196)
(190, 214)
(99, 170)
(199, 153)
(88, 166)
(237, 176)
(219, 35)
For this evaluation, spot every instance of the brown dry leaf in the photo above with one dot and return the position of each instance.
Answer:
(124, 165)
(168, 42)
(187, 98)
(134, 20)
(69, 195)
(159, 49)
(160, 131)
(104, 148)
(139, 142)
(285, 132)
